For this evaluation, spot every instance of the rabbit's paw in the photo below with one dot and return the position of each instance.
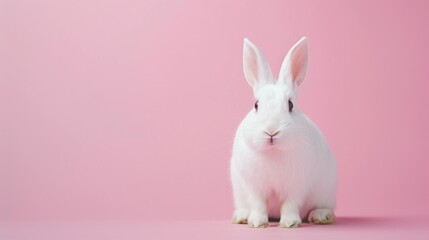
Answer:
(240, 216)
(257, 220)
(290, 221)
(321, 216)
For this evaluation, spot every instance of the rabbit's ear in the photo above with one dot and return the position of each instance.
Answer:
(294, 67)
(256, 69)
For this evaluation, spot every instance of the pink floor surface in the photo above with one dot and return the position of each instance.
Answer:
(344, 228)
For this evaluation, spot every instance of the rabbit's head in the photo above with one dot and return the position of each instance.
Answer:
(274, 119)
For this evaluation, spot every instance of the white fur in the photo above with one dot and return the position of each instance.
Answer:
(296, 173)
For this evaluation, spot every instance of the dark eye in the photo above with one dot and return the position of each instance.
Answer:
(256, 105)
(290, 105)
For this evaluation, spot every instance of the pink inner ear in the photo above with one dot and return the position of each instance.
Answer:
(299, 64)
(252, 66)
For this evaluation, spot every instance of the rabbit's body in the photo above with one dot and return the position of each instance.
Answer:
(306, 169)
(281, 165)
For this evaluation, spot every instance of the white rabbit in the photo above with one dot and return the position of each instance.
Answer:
(281, 165)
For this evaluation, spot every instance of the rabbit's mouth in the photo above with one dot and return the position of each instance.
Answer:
(271, 142)
(272, 137)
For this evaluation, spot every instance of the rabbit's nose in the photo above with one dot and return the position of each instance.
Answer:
(271, 134)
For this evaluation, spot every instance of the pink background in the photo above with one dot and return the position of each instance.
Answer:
(127, 109)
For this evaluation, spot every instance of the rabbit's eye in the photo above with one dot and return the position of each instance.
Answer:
(256, 105)
(290, 105)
